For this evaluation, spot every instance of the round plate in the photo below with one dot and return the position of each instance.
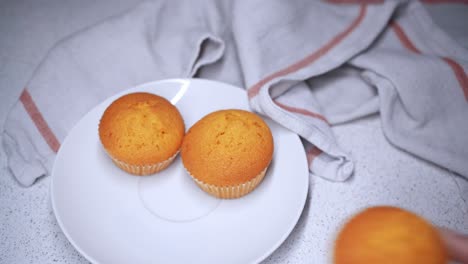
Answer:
(110, 216)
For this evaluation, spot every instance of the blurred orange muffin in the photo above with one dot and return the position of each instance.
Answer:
(141, 132)
(386, 234)
(227, 152)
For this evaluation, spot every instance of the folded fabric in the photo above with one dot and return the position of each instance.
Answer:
(305, 64)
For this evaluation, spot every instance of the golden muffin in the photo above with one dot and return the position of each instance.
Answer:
(227, 152)
(141, 132)
(386, 234)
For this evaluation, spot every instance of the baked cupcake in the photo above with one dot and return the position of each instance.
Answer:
(141, 132)
(227, 152)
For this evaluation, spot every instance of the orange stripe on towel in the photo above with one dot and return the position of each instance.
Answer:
(39, 120)
(255, 89)
(312, 153)
(460, 74)
(457, 69)
(301, 111)
(403, 37)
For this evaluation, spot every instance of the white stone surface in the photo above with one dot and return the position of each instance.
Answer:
(384, 174)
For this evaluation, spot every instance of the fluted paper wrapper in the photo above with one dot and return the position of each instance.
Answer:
(231, 192)
(143, 169)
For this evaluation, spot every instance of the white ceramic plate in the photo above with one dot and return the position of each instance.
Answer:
(113, 217)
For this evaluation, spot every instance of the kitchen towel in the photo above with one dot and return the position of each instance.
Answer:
(305, 64)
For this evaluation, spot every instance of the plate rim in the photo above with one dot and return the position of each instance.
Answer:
(261, 258)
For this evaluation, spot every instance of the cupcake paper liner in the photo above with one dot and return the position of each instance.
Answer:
(143, 169)
(231, 192)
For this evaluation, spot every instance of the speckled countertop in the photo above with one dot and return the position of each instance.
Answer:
(29, 232)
